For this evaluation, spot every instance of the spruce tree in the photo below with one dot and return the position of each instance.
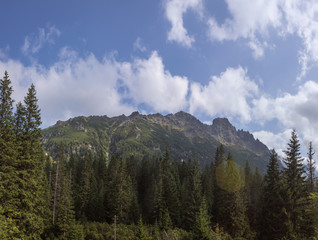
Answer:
(193, 194)
(119, 190)
(219, 193)
(202, 226)
(208, 186)
(294, 175)
(311, 179)
(236, 222)
(145, 189)
(171, 190)
(159, 204)
(273, 217)
(9, 188)
(65, 226)
(30, 165)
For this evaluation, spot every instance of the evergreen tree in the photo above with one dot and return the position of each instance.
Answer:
(86, 185)
(140, 234)
(171, 190)
(311, 179)
(295, 187)
(236, 222)
(146, 189)
(119, 190)
(97, 208)
(30, 165)
(219, 194)
(202, 226)
(193, 194)
(208, 186)
(9, 189)
(273, 216)
(65, 226)
(159, 206)
(252, 190)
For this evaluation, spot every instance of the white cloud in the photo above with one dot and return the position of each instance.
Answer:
(277, 141)
(148, 82)
(226, 94)
(256, 18)
(175, 9)
(87, 86)
(34, 42)
(296, 111)
(139, 46)
(248, 18)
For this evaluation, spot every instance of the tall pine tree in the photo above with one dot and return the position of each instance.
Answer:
(296, 191)
(273, 217)
(311, 178)
(9, 188)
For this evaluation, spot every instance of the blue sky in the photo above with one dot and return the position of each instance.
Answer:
(254, 62)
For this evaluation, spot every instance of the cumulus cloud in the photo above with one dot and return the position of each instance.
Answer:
(276, 141)
(87, 86)
(248, 18)
(227, 94)
(34, 42)
(175, 9)
(296, 111)
(256, 18)
(148, 82)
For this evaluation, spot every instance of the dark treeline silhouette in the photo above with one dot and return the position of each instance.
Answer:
(90, 196)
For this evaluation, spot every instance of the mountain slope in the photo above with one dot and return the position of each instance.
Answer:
(149, 135)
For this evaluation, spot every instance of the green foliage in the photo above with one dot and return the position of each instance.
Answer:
(202, 227)
(141, 135)
(119, 191)
(273, 216)
(22, 183)
(192, 188)
(62, 197)
(296, 189)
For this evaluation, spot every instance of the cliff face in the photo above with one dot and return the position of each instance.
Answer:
(148, 135)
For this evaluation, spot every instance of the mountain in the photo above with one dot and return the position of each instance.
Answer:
(142, 135)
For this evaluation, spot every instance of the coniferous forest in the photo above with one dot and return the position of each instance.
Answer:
(86, 196)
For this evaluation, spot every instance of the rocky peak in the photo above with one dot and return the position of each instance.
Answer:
(224, 131)
(134, 114)
(223, 128)
(186, 117)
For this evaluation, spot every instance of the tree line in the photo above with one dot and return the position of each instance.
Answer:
(86, 196)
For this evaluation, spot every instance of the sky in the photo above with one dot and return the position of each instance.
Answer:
(254, 62)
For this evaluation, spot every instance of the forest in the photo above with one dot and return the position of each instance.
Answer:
(87, 196)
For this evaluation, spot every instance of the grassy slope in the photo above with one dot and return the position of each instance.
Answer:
(144, 135)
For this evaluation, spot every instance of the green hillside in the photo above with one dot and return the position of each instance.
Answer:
(149, 135)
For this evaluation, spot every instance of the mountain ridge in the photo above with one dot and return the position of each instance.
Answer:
(141, 135)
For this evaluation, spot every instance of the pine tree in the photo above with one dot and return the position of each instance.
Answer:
(208, 186)
(202, 226)
(145, 189)
(85, 186)
(159, 205)
(236, 222)
(140, 234)
(64, 216)
(119, 190)
(193, 194)
(30, 165)
(9, 181)
(219, 193)
(273, 216)
(296, 187)
(311, 179)
(171, 190)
